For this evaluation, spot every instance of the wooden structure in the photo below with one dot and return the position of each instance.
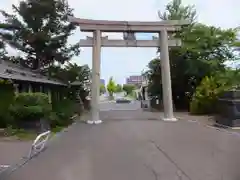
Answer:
(25, 80)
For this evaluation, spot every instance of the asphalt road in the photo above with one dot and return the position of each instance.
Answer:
(11, 152)
(131, 145)
(109, 106)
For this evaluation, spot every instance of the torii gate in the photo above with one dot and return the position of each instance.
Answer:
(129, 28)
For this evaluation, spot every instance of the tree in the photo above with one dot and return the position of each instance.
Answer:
(111, 87)
(40, 29)
(205, 98)
(236, 47)
(102, 89)
(2, 51)
(236, 44)
(128, 88)
(70, 73)
(175, 10)
(80, 73)
(204, 51)
(119, 88)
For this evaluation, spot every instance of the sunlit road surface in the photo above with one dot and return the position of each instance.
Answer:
(134, 145)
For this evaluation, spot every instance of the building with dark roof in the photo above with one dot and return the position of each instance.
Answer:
(26, 80)
(12, 71)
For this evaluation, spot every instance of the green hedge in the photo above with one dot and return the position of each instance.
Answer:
(30, 106)
(25, 107)
(33, 106)
(6, 99)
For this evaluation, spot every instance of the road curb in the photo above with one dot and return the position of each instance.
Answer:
(219, 127)
(80, 118)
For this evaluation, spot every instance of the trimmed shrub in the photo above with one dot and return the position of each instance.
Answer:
(62, 113)
(31, 106)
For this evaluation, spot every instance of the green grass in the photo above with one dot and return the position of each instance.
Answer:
(22, 134)
(26, 135)
(57, 129)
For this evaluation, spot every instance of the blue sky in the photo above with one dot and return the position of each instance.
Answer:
(122, 62)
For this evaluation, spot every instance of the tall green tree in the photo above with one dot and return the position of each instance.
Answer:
(119, 88)
(70, 73)
(175, 10)
(2, 51)
(102, 89)
(204, 51)
(40, 29)
(236, 44)
(128, 88)
(111, 87)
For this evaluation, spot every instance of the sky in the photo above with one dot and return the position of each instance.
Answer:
(122, 62)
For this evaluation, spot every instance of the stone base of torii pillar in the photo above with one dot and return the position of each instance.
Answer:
(94, 122)
(173, 119)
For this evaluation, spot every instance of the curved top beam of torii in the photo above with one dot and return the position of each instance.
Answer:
(90, 25)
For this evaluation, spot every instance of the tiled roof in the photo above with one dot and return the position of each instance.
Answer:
(9, 70)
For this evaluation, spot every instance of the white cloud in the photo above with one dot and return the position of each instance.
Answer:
(122, 62)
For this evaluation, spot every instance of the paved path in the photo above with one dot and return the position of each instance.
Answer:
(134, 105)
(8, 153)
(11, 152)
(127, 146)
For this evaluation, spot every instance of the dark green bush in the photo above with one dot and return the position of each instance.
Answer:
(54, 120)
(62, 113)
(6, 119)
(7, 98)
(31, 106)
(206, 95)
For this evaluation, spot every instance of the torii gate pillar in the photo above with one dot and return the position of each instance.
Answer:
(95, 87)
(166, 77)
